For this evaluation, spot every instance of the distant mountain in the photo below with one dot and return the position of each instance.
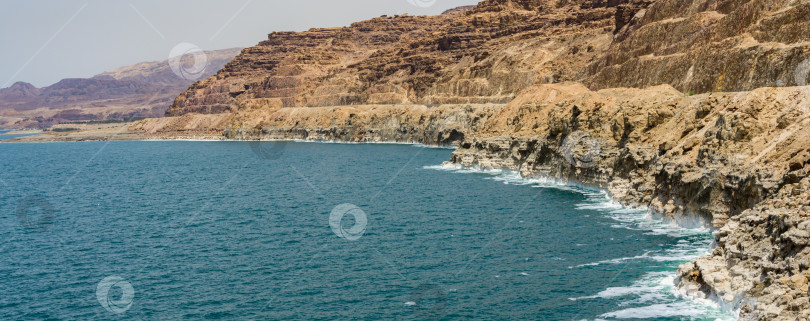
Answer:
(161, 73)
(141, 90)
(19, 90)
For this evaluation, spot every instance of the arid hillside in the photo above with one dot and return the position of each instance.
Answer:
(137, 91)
(490, 52)
(482, 54)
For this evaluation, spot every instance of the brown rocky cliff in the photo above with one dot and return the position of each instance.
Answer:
(715, 45)
(483, 54)
(287, 66)
(488, 53)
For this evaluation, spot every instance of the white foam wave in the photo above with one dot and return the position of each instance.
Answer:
(655, 290)
(651, 287)
(656, 293)
(464, 170)
(680, 253)
(596, 200)
(664, 310)
(420, 145)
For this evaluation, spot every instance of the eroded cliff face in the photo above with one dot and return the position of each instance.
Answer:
(709, 45)
(489, 52)
(481, 54)
(291, 68)
(738, 161)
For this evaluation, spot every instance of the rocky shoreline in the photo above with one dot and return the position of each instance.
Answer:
(733, 161)
(442, 125)
(730, 161)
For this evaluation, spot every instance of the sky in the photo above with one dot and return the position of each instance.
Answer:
(42, 42)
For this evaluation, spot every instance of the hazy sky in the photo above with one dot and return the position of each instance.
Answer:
(45, 41)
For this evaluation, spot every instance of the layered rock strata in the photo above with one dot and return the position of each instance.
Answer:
(490, 52)
(482, 54)
(709, 45)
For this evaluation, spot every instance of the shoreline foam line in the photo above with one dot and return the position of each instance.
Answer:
(653, 285)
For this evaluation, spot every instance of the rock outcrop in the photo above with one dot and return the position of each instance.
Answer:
(737, 161)
(709, 45)
(490, 52)
(483, 54)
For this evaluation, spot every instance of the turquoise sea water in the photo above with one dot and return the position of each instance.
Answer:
(308, 231)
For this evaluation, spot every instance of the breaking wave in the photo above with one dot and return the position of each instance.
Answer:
(654, 295)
